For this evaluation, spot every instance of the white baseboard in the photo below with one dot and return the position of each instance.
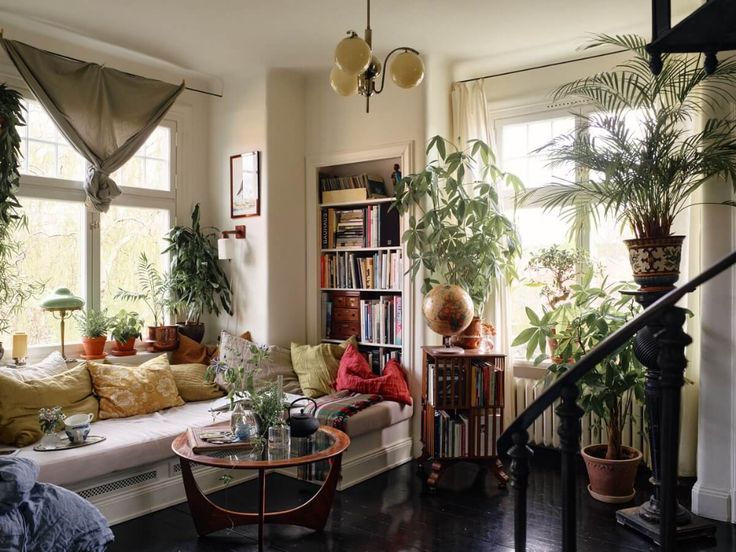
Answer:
(375, 462)
(712, 503)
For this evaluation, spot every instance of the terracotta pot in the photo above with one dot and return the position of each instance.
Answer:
(470, 337)
(611, 481)
(655, 262)
(166, 338)
(124, 346)
(151, 336)
(192, 330)
(94, 347)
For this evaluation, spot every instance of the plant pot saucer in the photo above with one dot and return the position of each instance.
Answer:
(611, 499)
(93, 357)
(117, 353)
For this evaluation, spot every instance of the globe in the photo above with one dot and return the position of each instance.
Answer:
(448, 309)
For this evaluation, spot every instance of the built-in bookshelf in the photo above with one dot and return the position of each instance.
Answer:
(358, 263)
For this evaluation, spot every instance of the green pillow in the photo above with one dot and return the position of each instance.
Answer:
(316, 366)
(20, 402)
(191, 384)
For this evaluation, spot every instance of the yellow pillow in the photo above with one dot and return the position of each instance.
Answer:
(21, 400)
(191, 383)
(130, 390)
(316, 366)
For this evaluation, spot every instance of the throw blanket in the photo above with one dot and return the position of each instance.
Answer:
(43, 517)
(334, 411)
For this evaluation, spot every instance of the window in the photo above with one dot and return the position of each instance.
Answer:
(93, 254)
(518, 140)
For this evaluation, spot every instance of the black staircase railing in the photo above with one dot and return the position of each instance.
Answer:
(665, 323)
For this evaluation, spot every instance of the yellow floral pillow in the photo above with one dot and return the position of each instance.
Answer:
(130, 390)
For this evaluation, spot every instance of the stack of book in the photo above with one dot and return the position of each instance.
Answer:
(373, 186)
(380, 320)
(382, 270)
(451, 434)
(486, 381)
(378, 359)
(445, 386)
(370, 226)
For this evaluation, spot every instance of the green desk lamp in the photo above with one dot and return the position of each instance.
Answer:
(62, 301)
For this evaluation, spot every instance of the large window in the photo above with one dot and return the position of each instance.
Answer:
(519, 139)
(66, 245)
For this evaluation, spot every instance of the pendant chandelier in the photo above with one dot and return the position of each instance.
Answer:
(357, 69)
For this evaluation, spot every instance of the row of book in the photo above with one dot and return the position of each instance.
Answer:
(369, 226)
(380, 320)
(382, 270)
(453, 438)
(377, 360)
(479, 386)
(374, 184)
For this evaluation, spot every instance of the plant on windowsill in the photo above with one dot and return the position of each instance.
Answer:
(198, 282)
(93, 325)
(126, 329)
(591, 314)
(461, 236)
(155, 292)
(644, 176)
(15, 290)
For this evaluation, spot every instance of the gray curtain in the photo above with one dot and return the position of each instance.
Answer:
(105, 114)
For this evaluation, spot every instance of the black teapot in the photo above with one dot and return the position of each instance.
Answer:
(303, 424)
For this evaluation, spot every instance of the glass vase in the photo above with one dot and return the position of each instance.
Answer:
(243, 423)
(50, 440)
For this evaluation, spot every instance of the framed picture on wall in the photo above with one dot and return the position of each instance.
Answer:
(245, 184)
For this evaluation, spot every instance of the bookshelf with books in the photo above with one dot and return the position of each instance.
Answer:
(462, 409)
(360, 273)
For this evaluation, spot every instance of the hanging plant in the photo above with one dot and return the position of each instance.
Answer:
(11, 117)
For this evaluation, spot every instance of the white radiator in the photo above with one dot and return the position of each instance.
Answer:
(526, 388)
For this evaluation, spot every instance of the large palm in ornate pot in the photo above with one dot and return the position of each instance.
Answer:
(644, 175)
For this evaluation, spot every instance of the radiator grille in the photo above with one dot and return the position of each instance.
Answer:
(118, 485)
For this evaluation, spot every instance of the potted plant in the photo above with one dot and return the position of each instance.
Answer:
(198, 282)
(644, 176)
(125, 330)
(94, 325)
(591, 315)
(155, 291)
(460, 237)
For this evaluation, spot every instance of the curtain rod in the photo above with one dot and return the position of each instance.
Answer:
(554, 64)
(70, 58)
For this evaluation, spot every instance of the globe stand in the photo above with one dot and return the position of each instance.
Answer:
(447, 348)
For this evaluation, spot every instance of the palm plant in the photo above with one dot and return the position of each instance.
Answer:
(154, 290)
(645, 176)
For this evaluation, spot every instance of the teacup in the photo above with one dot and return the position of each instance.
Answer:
(77, 427)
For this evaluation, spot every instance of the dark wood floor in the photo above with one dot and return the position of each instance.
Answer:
(393, 512)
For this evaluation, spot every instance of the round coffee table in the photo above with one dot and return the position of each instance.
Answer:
(327, 444)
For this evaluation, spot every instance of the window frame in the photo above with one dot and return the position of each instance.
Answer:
(59, 189)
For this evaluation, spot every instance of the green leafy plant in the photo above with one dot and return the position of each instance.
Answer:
(197, 279)
(154, 290)
(126, 325)
(591, 315)
(461, 236)
(268, 405)
(94, 323)
(11, 117)
(554, 269)
(643, 176)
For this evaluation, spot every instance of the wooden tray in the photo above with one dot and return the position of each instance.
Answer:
(200, 446)
(64, 443)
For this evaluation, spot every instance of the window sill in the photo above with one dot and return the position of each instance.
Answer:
(74, 350)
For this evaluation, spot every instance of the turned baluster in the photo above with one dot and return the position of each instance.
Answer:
(520, 454)
(569, 431)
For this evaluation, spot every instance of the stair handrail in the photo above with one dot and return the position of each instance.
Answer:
(605, 348)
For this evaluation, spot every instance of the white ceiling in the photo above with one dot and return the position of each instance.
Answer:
(238, 37)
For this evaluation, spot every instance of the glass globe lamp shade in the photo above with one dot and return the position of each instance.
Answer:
(343, 83)
(407, 70)
(353, 55)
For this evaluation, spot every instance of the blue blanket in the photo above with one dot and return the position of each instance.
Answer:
(43, 517)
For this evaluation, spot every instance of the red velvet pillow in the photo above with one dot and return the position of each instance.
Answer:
(355, 375)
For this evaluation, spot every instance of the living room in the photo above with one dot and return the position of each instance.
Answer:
(254, 100)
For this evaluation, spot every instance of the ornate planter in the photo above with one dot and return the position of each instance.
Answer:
(655, 262)
(611, 481)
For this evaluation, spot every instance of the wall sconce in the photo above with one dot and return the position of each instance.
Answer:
(226, 244)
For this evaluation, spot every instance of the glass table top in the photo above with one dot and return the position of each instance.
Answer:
(263, 450)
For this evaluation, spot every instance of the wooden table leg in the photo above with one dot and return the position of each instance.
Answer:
(500, 473)
(261, 506)
(209, 517)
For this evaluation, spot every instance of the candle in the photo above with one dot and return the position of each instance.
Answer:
(20, 345)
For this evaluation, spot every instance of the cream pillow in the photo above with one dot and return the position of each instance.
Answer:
(191, 383)
(278, 364)
(50, 366)
(131, 390)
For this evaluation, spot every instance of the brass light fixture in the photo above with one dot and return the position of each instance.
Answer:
(356, 69)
